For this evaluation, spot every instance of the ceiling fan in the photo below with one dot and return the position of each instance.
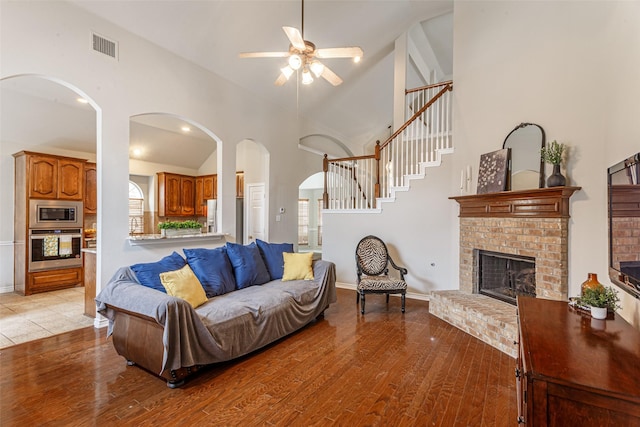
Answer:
(303, 55)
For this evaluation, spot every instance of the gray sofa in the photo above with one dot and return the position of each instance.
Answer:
(168, 337)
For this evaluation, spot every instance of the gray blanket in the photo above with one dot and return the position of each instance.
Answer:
(226, 326)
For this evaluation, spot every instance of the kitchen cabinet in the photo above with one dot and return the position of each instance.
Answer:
(42, 176)
(573, 369)
(90, 189)
(53, 177)
(239, 185)
(176, 194)
(89, 258)
(51, 280)
(205, 190)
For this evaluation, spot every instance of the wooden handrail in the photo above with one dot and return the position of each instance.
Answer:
(447, 87)
(418, 89)
(346, 159)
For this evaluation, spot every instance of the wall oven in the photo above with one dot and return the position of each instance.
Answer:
(55, 234)
(55, 248)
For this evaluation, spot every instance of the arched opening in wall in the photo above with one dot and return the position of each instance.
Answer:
(174, 162)
(252, 192)
(54, 124)
(310, 214)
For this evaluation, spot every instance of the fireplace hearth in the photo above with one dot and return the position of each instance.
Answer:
(504, 276)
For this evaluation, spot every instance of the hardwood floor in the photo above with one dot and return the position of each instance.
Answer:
(380, 369)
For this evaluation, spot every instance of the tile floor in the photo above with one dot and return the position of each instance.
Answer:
(26, 318)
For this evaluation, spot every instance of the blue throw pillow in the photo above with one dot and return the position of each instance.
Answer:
(213, 270)
(272, 254)
(148, 274)
(248, 265)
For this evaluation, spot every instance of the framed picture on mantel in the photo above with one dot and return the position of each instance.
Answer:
(492, 173)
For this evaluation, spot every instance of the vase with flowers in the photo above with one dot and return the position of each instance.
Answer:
(552, 154)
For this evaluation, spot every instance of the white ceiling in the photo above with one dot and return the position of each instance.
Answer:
(211, 34)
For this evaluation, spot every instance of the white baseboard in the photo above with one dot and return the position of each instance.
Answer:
(100, 322)
(410, 295)
(5, 289)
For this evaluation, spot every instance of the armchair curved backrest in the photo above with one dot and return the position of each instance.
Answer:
(372, 256)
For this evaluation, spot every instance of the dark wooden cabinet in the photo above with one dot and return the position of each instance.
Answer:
(575, 370)
(240, 184)
(176, 194)
(90, 189)
(54, 177)
(187, 195)
(205, 190)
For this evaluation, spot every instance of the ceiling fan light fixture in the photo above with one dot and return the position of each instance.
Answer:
(287, 71)
(295, 61)
(307, 78)
(316, 68)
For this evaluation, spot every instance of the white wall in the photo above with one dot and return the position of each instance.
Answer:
(417, 229)
(53, 39)
(572, 68)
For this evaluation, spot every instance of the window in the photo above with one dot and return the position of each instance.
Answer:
(303, 222)
(320, 206)
(136, 209)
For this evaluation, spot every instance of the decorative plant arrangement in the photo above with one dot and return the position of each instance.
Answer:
(552, 154)
(178, 228)
(602, 299)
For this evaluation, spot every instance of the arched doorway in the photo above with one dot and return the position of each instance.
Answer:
(310, 214)
(252, 192)
(171, 144)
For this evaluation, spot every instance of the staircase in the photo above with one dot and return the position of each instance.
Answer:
(363, 183)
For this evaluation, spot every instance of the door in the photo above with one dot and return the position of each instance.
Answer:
(256, 220)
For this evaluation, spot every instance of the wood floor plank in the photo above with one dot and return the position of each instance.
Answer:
(383, 368)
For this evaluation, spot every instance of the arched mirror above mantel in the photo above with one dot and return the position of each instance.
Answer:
(526, 168)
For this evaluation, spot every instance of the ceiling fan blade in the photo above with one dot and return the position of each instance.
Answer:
(263, 55)
(295, 38)
(340, 52)
(282, 79)
(330, 76)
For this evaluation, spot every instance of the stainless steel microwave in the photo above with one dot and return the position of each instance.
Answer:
(55, 214)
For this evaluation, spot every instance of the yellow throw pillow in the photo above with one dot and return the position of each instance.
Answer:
(297, 266)
(184, 284)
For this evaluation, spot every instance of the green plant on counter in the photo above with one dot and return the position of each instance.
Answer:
(179, 224)
(552, 153)
(605, 297)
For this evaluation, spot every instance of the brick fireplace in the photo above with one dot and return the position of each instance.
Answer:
(531, 223)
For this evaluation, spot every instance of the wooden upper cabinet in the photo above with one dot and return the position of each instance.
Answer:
(43, 177)
(240, 184)
(210, 186)
(70, 179)
(200, 209)
(176, 194)
(187, 195)
(90, 188)
(205, 190)
(55, 177)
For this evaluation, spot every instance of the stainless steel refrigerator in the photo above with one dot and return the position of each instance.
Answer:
(212, 207)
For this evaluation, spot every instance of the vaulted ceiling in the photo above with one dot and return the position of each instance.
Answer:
(212, 33)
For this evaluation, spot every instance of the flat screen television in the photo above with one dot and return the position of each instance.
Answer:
(624, 224)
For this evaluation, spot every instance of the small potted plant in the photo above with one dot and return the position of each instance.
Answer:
(600, 300)
(552, 153)
(179, 228)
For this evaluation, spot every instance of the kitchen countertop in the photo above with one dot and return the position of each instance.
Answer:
(89, 250)
(149, 239)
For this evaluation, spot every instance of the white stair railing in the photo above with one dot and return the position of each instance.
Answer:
(356, 182)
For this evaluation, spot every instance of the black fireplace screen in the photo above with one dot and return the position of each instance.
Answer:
(505, 276)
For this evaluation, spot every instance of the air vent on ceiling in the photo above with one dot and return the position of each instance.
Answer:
(104, 45)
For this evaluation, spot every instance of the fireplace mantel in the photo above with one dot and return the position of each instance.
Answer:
(537, 203)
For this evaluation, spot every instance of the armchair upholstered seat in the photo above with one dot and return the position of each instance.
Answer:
(372, 262)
